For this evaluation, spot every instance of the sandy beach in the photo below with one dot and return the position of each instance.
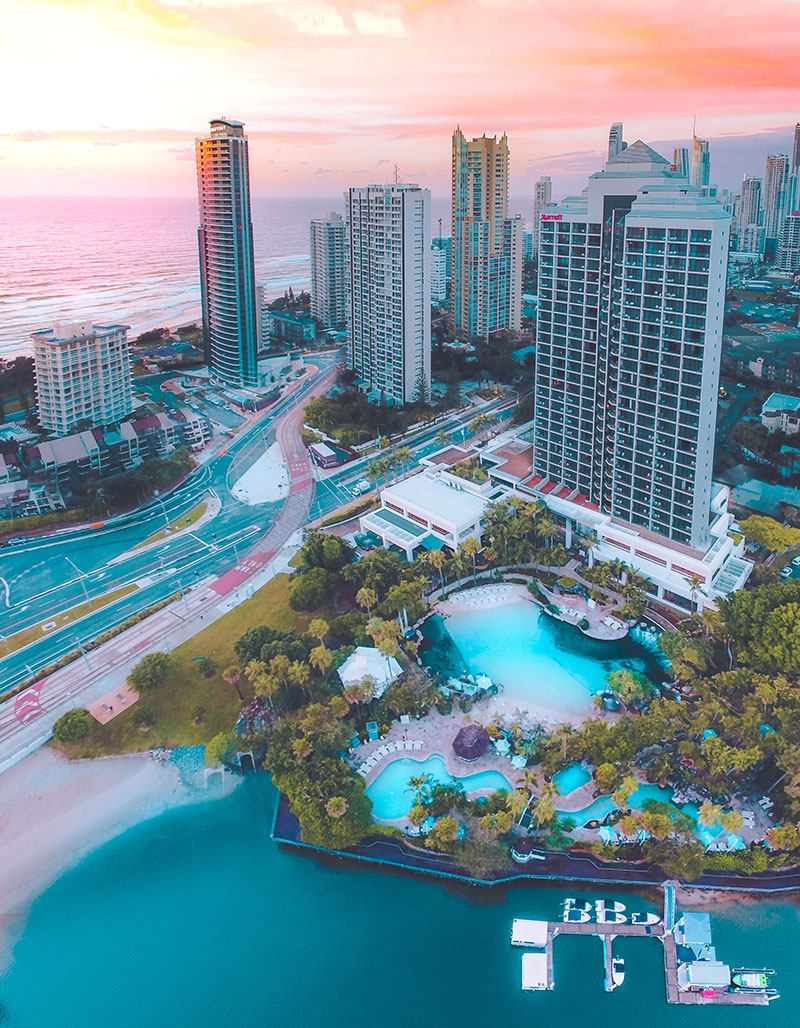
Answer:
(55, 811)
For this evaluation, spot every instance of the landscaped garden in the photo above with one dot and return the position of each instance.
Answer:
(693, 758)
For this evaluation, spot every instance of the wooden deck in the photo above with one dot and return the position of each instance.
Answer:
(608, 932)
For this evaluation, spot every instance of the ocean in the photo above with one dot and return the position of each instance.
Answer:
(134, 261)
(196, 918)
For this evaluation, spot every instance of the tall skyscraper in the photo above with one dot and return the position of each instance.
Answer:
(680, 161)
(542, 196)
(389, 308)
(83, 374)
(776, 194)
(616, 144)
(438, 274)
(750, 217)
(796, 148)
(701, 162)
(329, 271)
(227, 270)
(789, 247)
(632, 280)
(487, 244)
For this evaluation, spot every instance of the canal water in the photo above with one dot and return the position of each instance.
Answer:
(197, 918)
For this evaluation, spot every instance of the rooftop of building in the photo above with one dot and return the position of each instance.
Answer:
(71, 332)
(440, 499)
(780, 402)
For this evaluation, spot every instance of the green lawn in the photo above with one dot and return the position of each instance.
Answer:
(175, 704)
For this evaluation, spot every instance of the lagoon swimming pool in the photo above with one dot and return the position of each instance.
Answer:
(539, 661)
(392, 798)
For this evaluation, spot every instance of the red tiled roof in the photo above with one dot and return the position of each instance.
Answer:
(592, 506)
(564, 492)
(549, 487)
(534, 480)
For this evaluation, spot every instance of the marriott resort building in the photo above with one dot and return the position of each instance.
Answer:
(632, 280)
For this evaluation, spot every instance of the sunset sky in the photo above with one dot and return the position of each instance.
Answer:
(106, 96)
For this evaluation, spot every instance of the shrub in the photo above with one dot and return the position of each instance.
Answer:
(309, 590)
(73, 726)
(349, 629)
(565, 582)
(150, 672)
(142, 716)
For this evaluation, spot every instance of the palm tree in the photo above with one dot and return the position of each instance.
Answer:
(696, 584)
(320, 658)
(470, 549)
(336, 806)
(732, 821)
(266, 685)
(232, 676)
(366, 598)
(403, 456)
(298, 674)
(253, 669)
(436, 559)
(709, 814)
(319, 628)
(544, 809)
(442, 437)
(517, 803)
(420, 784)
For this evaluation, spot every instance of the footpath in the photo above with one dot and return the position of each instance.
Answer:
(26, 720)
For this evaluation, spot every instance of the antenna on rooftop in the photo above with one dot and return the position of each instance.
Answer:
(396, 173)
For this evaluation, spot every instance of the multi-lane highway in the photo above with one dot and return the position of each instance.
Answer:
(43, 578)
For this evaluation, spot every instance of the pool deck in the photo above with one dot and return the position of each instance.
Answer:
(596, 615)
(436, 733)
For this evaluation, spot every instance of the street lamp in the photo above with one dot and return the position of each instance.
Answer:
(80, 578)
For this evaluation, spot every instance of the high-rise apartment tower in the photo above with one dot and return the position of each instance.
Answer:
(389, 307)
(680, 161)
(629, 329)
(701, 162)
(616, 144)
(227, 271)
(542, 196)
(329, 270)
(487, 244)
(776, 194)
(83, 374)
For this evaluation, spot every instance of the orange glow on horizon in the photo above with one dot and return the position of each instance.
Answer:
(333, 92)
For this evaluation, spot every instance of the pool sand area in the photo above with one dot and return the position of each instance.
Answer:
(483, 596)
(55, 811)
(436, 733)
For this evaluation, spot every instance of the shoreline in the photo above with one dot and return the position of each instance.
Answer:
(56, 812)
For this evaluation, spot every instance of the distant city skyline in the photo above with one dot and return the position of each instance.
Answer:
(316, 83)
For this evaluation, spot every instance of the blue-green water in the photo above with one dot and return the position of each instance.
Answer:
(536, 659)
(196, 919)
(392, 798)
(568, 779)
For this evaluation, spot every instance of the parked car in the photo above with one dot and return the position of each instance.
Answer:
(362, 486)
(786, 572)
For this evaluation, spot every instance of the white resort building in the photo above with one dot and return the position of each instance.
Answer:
(430, 510)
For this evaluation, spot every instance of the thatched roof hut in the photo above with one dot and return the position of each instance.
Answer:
(471, 742)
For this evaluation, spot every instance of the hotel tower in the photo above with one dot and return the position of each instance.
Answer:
(487, 244)
(389, 305)
(631, 302)
(225, 236)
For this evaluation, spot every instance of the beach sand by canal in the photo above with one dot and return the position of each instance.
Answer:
(55, 811)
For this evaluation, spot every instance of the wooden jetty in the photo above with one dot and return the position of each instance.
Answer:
(663, 931)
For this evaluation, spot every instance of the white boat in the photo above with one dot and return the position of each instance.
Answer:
(617, 971)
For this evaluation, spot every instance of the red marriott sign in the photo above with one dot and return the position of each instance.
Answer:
(551, 217)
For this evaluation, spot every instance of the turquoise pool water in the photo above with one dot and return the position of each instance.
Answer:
(391, 797)
(197, 919)
(537, 660)
(571, 778)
